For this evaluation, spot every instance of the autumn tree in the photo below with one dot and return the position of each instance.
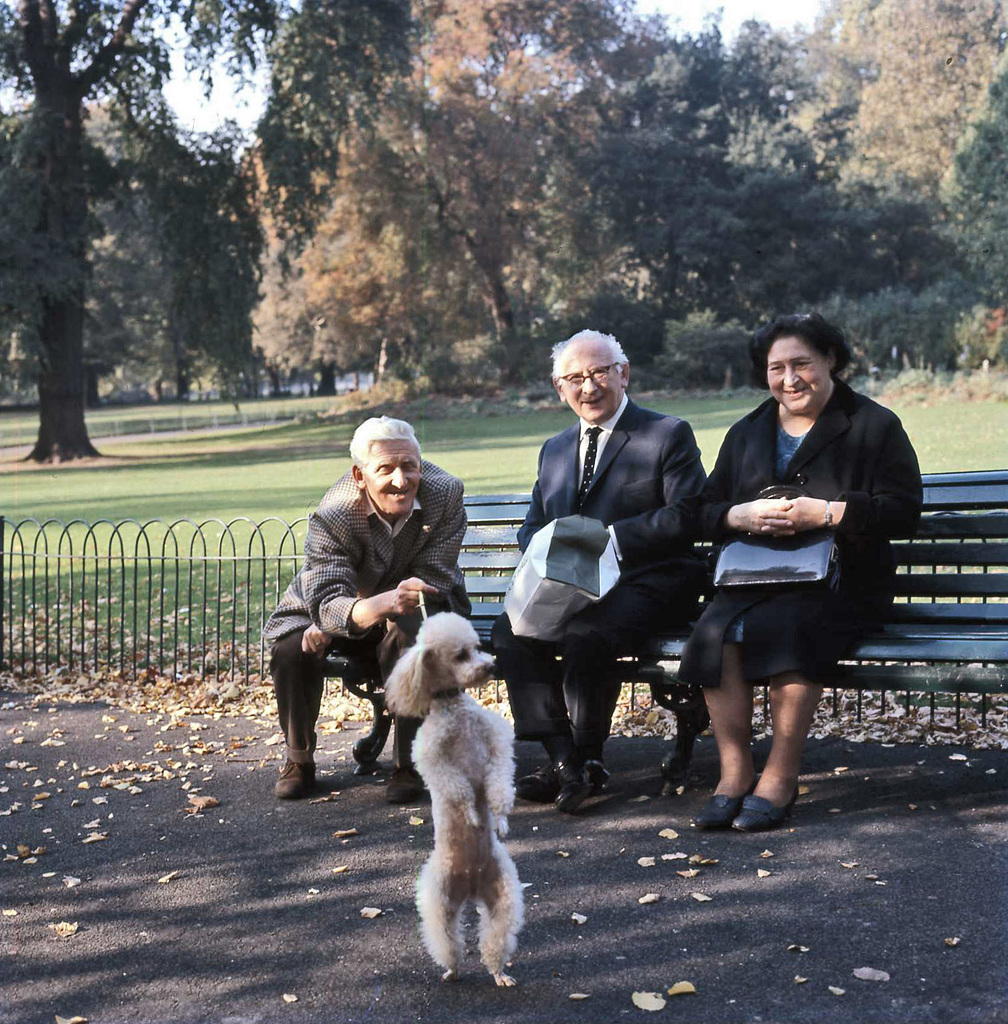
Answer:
(59, 57)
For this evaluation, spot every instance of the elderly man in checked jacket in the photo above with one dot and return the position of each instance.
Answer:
(386, 533)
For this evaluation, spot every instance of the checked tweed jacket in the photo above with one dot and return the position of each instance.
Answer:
(348, 557)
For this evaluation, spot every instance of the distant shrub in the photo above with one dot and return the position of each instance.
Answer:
(699, 352)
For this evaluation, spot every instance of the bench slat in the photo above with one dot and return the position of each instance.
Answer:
(992, 553)
(953, 584)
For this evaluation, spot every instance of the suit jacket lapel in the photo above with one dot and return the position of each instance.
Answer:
(832, 422)
(566, 471)
(762, 445)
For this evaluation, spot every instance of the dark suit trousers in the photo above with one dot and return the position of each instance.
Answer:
(298, 683)
(579, 691)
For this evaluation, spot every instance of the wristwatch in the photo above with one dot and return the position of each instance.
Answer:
(828, 515)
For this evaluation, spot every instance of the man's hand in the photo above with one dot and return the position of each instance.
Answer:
(406, 597)
(315, 641)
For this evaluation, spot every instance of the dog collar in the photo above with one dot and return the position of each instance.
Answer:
(447, 693)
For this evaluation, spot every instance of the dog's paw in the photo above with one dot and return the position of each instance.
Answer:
(504, 980)
(501, 828)
(452, 975)
(472, 817)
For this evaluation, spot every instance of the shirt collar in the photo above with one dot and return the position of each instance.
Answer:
(610, 423)
(392, 528)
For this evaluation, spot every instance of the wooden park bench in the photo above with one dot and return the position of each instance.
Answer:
(947, 633)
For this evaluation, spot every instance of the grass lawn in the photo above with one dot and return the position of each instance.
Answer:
(284, 470)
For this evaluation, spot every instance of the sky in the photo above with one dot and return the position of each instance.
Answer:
(198, 113)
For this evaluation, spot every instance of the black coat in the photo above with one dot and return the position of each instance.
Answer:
(857, 452)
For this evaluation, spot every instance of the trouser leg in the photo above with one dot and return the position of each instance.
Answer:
(297, 684)
(533, 678)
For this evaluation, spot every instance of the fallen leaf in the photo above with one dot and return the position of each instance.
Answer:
(13, 913)
(640, 799)
(370, 912)
(41, 796)
(803, 790)
(840, 770)
(795, 948)
(95, 837)
(762, 873)
(274, 740)
(701, 897)
(70, 882)
(799, 980)
(648, 1000)
(562, 853)
(958, 757)
(342, 833)
(289, 997)
(682, 988)
(165, 879)
(203, 803)
(646, 862)
(836, 991)
(76, 1019)
(649, 897)
(578, 918)
(953, 941)
(669, 833)
(414, 820)
(848, 863)
(913, 807)
(767, 853)
(578, 996)
(328, 798)
(313, 892)
(64, 929)
(341, 869)
(673, 856)
(870, 974)
(689, 873)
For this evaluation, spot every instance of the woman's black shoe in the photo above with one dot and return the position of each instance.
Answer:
(720, 811)
(759, 815)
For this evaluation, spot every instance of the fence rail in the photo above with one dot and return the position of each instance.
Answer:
(178, 597)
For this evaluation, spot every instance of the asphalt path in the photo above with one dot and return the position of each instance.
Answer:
(890, 852)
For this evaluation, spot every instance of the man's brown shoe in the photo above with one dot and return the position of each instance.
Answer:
(296, 780)
(404, 786)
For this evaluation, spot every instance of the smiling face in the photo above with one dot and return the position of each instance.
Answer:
(594, 401)
(391, 477)
(798, 376)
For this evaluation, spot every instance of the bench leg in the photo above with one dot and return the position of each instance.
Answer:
(367, 749)
(690, 722)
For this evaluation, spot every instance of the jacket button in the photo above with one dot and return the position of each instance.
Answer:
(800, 478)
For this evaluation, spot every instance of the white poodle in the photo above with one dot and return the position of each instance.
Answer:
(465, 754)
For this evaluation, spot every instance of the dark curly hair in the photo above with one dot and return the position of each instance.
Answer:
(811, 328)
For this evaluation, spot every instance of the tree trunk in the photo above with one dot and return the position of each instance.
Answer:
(183, 377)
(62, 432)
(274, 378)
(91, 398)
(327, 379)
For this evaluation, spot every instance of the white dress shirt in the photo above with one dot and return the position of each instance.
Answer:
(392, 528)
(607, 429)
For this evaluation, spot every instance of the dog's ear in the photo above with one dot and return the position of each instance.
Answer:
(406, 690)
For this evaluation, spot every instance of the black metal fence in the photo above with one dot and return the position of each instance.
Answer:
(178, 597)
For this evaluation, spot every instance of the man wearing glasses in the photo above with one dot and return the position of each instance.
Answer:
(639, 473)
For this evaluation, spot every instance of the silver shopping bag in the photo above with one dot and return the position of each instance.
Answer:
(569, 564)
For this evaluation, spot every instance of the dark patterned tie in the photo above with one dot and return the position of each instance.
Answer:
(589, 465)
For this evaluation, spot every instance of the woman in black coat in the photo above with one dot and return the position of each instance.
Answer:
(853, 460)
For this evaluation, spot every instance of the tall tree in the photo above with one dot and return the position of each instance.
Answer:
(979, 192)
(60, 56)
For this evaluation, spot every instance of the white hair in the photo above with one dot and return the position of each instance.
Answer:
(375, 430)
(559, 350)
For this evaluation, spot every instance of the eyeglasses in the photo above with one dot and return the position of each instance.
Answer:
(597, 374)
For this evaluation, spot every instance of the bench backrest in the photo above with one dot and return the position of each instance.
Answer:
(955, 570)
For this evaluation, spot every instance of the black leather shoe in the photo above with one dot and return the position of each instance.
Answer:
(296, 780)
(598, 776)
(574, 787)
(541, 787)
(720, 811)
(759, 815)
(404, 786)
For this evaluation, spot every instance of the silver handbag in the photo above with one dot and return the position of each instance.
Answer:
(809, 558)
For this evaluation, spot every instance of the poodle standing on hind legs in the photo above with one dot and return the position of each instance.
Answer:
(465, 754)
